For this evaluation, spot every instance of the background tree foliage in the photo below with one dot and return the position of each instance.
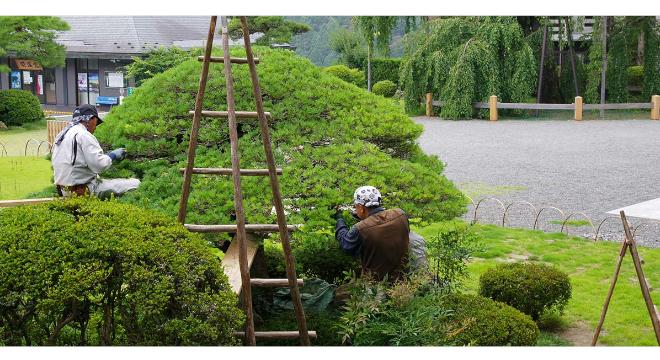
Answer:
(275, 29)
(465, 60)
(32, 37)
(329, 137)
(316, 43)
(377, 33)
(156, 61)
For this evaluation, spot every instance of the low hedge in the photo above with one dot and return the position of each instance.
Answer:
(87, 272)
(351, 76)
(481, 321)
(18, 107)
(411, 313)
(530, 288)
(384, 88)
(385, 69)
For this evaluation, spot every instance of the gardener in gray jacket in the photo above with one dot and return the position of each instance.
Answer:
(78, 159)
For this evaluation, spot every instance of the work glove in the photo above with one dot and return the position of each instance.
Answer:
(117, 154)
(338, 214)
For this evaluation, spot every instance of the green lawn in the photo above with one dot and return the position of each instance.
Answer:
(14, 139)
(590, 266)
(22, 175)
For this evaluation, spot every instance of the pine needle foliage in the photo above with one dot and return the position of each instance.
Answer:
(330, 137)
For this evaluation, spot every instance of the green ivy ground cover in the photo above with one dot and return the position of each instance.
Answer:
(329, 137)
(590, 266)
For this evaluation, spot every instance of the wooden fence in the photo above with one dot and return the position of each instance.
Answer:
(578, 106)
(54, 127)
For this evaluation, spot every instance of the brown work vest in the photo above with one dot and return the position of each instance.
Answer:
(384, 244)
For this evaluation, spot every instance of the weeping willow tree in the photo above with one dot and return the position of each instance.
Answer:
(465, 60)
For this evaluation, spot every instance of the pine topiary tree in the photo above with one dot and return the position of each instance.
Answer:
(328, 136)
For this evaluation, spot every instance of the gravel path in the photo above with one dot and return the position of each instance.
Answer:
(589, 166)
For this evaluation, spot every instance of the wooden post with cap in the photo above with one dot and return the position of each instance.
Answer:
(429, 104)
(578, 108)
(492, 106)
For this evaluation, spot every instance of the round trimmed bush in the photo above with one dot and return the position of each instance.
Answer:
(90, 272)
(18, 107)
(481, 321)
(351, 76)
(530, 288)
(384, 88)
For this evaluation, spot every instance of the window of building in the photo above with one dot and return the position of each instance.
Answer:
(115, 79)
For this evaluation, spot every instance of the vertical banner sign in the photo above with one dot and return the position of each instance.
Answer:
(15, 79)
(40, 84)
(82, 81)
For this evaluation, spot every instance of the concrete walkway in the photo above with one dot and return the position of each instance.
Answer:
(589, 166)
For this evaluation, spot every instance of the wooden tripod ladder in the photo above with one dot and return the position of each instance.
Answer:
(629, 244)
(240, 228)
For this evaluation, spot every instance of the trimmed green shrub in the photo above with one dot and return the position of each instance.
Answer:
(385, 69)
(328, 136)
(384, 88)
(18, 107)
(90, 272)
(530, 288)
(483, 322)
(351, 76)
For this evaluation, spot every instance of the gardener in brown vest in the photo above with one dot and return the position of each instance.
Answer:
(380, 239)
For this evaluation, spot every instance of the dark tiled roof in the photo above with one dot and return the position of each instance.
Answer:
(134, 34)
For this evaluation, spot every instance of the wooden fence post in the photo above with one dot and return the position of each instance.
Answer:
(429, 104)
(492, 106)
(655, 108)
(578, 108)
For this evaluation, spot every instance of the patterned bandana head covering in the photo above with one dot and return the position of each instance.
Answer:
(81, 114)
(368, 196)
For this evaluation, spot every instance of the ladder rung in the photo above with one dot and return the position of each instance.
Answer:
(273, 282)
(239, 114)
(251, 228)
(234, 60)
(276, 334)
(228, 171)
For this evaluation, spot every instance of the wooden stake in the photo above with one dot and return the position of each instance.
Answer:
(241, 236)
(578, 108)
(642, 279)
(492, 105)
(429, 104)
(289, 262)
(622, 253)
(192, 144)
(540, 87)
(655, 108)
(629, 244)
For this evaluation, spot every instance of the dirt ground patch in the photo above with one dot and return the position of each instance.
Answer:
(578, 334)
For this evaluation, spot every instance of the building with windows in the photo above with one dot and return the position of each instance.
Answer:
(96, 49)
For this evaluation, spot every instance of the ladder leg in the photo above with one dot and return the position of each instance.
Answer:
(274, 183)
(238, 196)
(192, 144)
(642, 280)
(622, 253)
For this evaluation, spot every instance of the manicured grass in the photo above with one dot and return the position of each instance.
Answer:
(14, 139)
(590, 266)
(22, 175)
